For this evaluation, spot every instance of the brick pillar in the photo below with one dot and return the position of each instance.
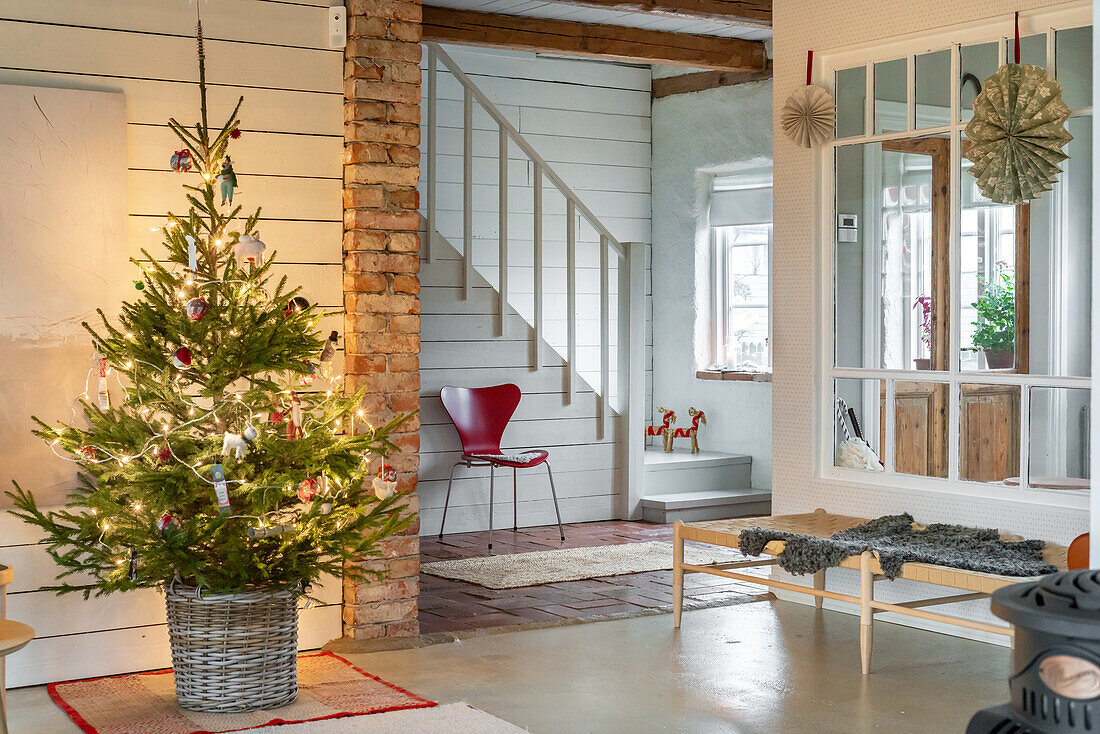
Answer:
(381, 277)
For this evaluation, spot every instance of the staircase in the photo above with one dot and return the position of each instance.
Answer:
(703, 486)
(549, 260)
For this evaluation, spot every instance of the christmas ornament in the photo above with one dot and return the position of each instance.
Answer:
(277, 417)
(1017, 133)
(181, 161)
(88, 451)
(307, 377)
(295, 304)
(221, 491)
(104, 396)
(385, 484)
(235, 133)
(139, 285)
(249, 249)
(196, 308)
(238, 443)
(807, 116)
(131, 571)
(192, 253)
(228, 181)
(167, 521)
(327, 353)
(294, 425)
(164, 455)
(307, 489)
(267, 532)
(182, 358)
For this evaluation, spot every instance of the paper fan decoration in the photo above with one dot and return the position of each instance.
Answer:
(1017, 133)
(807, 116)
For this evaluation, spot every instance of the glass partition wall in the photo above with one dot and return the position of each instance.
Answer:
(960, 327)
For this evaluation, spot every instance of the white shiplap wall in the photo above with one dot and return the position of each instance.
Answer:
(288, 160)
(590, 121)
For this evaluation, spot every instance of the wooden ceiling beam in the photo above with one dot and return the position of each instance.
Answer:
(751, 13)
(701, 80)
(595, 40)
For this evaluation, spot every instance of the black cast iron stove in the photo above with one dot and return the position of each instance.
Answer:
(1055, 683)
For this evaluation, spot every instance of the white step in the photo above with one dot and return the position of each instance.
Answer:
(712, 504)
(682, 471)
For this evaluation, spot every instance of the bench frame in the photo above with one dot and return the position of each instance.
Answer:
(869, 570)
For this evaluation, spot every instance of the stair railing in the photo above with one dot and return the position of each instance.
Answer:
(630, 261)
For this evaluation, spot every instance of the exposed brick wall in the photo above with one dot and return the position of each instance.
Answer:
(381, 277)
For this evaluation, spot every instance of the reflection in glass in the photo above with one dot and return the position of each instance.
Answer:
(746, 251)
(976, 64)
(851, 102)
(933, 89)
(857, 425)
(920, 428)
(1033, 50)
(989, 432)
(1058, 451)
(890, 96)
(1073, 56)
(889, 261)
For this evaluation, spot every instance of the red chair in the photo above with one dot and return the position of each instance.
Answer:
(481, 414)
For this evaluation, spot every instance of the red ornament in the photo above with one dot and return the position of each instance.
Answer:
(309, 375)
(385, 484)
(182, 358)
(235, 133)
(307, 489)
(164, 455)
(88, 451)
(196, 308)
(167, 520)
(277, 417)
(181, 161)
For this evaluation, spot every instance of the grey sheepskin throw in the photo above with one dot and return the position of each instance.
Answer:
(896, 542)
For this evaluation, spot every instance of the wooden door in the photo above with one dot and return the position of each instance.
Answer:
(920, 428)
(989, 432)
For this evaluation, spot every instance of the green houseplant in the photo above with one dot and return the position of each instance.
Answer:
(235, 470)
(995, 331)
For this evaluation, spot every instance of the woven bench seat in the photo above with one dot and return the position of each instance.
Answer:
(726, 533)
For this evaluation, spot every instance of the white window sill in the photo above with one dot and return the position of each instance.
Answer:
(734, 375)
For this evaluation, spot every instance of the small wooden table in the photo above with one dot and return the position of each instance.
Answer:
(14, 636)
(726, 533)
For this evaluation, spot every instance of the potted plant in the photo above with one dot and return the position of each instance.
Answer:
(995, 331)
(924, 303)
(234, 470)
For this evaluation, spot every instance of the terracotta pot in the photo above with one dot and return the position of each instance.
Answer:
(924, 363)
(1001, 359)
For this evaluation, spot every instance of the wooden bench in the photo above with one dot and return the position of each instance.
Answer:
(726, 533)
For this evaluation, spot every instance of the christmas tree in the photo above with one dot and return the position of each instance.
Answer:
(234, 458)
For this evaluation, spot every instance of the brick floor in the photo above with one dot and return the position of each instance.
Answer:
(450, 606)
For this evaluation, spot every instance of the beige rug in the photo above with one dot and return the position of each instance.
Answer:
(571, 564)
(451, 718)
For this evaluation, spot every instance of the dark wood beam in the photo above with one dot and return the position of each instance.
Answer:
(752, 13)
(594, 40)
(700, 80)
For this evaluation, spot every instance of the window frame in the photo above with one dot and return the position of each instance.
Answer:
(909, 48)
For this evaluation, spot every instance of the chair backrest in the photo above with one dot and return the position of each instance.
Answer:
(480, 414)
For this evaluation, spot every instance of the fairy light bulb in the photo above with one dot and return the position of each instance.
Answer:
(125, 459)
(137, 506)
(360, 413)
(129, 365)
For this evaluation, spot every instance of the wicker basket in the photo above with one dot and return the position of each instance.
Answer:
(233, 652)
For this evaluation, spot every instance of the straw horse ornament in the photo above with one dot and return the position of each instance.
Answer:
(697, 417)
(664, 430)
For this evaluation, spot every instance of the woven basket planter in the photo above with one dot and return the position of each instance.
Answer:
(233, 652)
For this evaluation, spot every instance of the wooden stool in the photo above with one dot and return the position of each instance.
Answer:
(14, 636)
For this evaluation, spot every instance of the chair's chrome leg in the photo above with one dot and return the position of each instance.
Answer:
(554, 494)
(490, 507)
(448, 500)
(515, 501)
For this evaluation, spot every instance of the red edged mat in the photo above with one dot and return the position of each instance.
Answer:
(329, 687)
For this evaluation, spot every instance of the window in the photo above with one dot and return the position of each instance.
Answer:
(960, 339)
(741, 244)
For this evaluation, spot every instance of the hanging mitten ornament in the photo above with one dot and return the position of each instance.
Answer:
(182, 358)
(249, 249)
(181, 161)
(385, 484)
(227, 180)
(196, 308)
(327, 353)
(307, 489)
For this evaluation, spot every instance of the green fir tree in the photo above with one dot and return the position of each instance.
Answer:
(300, 496)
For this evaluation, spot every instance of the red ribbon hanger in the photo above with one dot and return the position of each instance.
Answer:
(810, 65)
(1017, 36)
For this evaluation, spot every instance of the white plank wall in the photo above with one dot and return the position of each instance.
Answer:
(590, 121)
(288, 161)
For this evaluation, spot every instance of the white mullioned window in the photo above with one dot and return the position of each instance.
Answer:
(955, 337)
(741, 246)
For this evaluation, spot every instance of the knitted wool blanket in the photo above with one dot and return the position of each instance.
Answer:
(896, 542)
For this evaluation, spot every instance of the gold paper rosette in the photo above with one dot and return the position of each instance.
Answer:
(807, 116)
(1017, 134)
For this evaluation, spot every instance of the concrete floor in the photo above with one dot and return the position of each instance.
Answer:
(762, 668)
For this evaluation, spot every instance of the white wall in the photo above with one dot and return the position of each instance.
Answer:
(288, 160)
(590, 121)
(717, 130)
(822, 25)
